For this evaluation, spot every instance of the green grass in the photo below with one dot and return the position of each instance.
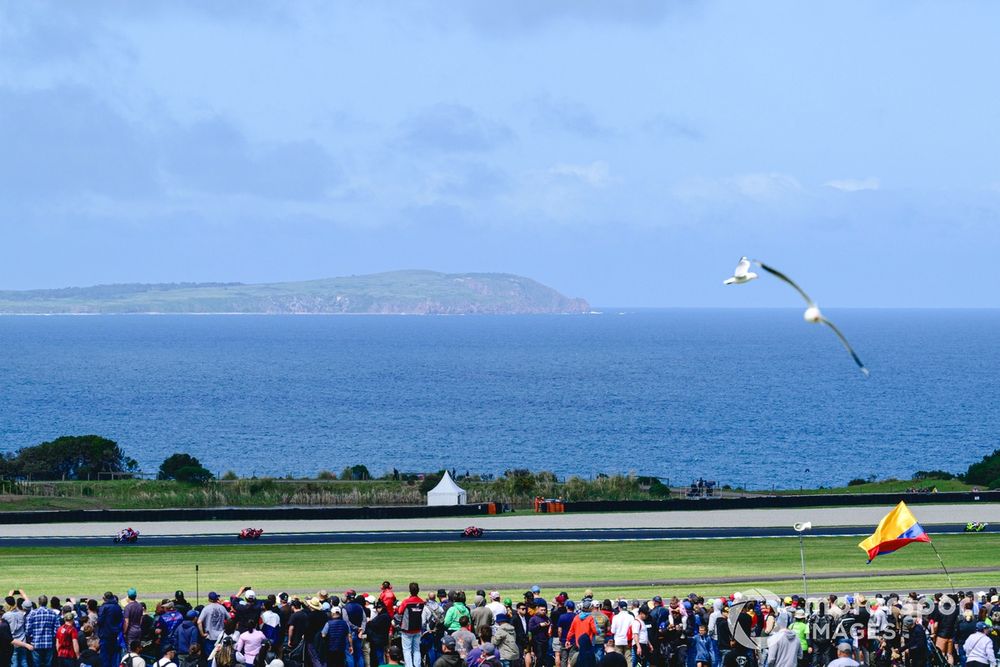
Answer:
(886, 486)
(92, 569)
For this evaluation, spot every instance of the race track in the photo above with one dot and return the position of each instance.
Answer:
(412, 536)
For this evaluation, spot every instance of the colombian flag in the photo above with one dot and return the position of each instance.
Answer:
(896, 529)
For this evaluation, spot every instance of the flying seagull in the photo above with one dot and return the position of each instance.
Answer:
(813, 315)
(742, 274)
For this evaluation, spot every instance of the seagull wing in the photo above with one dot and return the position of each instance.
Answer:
(742, 268)
(843, 340)
(781, 276)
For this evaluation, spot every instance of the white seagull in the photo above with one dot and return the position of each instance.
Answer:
(742, 274)
(813, 315)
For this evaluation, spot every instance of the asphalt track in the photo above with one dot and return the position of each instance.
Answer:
(497, 535)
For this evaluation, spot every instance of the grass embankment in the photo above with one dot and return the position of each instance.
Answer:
(886, 486)
(160, 494)
(519, 490)
(572, 565)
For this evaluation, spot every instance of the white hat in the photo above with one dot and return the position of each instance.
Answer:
(250, 594)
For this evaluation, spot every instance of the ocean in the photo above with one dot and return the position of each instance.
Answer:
(745, 397)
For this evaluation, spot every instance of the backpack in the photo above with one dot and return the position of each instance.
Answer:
(821, 630)
(436, 619)
(128, 660)
(413, 617)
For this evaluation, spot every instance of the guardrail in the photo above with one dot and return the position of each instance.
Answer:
(243, 514)
(765, 502)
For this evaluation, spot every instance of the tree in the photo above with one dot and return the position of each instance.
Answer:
(70, 457)
(184, 468)
(985, 472)
(356, 473)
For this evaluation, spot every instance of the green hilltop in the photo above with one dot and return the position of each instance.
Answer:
(394, 292)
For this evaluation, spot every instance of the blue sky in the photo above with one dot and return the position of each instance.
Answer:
(627, 152)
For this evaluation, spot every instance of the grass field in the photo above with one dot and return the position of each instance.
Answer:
(571, 565)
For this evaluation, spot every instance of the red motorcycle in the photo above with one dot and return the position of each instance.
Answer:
(251, 533)
(472, 531)
(127, 536)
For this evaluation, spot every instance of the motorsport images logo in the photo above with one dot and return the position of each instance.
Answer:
(747, 600)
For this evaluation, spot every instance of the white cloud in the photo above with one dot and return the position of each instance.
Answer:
(597, 174)
(761, 186)
(854, 184)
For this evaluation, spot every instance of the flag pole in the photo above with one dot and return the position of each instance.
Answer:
(950, 582)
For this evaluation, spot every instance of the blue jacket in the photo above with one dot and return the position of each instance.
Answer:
(109, 620)
(184, 636)
(701, 646)
(338, 634)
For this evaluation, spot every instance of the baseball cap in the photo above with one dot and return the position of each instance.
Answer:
(250, 595)
(535, 589)
(508, 602)
(800, 613)
(570, 605)
(213, 596)
(192, 614)
(27, 604)
(845, 646)
(131, 592)
(448, 641)
(494, 595)
(586, 605)
(622, 604)
(657, 598)
(980, 626)
(489, 649)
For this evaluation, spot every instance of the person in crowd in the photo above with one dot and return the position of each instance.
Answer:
(449, 654)
(186, 635)
(133, 657)
(338, 639)
(249, 645)
(67, 642)
(415, 615)
(211, 623)
(538, 627)
(110, 621)
(181, 604)
(377, 633)
(14, 618)
(844, 657)
(387, 596)
(168, 658)
(40, 626)
(979, 648)
(456, 611)
(481, 615)
(133, 615)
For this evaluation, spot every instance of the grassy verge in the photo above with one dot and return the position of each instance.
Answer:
(519, 490)
(93, 569)
(885, 486)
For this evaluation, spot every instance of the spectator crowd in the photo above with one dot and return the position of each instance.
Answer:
(449, 629)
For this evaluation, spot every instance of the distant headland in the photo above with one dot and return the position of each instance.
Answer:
(392, 293)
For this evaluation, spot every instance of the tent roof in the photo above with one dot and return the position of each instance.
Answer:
(447, 485)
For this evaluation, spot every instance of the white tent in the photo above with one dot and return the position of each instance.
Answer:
(446, 493)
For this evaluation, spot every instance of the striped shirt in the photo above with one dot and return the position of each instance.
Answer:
(40, 627)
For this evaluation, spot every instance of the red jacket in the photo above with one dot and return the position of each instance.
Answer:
(413, 599)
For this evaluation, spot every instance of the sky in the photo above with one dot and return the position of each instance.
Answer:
(626, 152)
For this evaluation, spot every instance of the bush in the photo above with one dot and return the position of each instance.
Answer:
(430, 481)
(356, 473)
(69, 457)
(325, 474)
(933, 474)
(986, 471)
(184, 468)
(229, 476)
(857, 481)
